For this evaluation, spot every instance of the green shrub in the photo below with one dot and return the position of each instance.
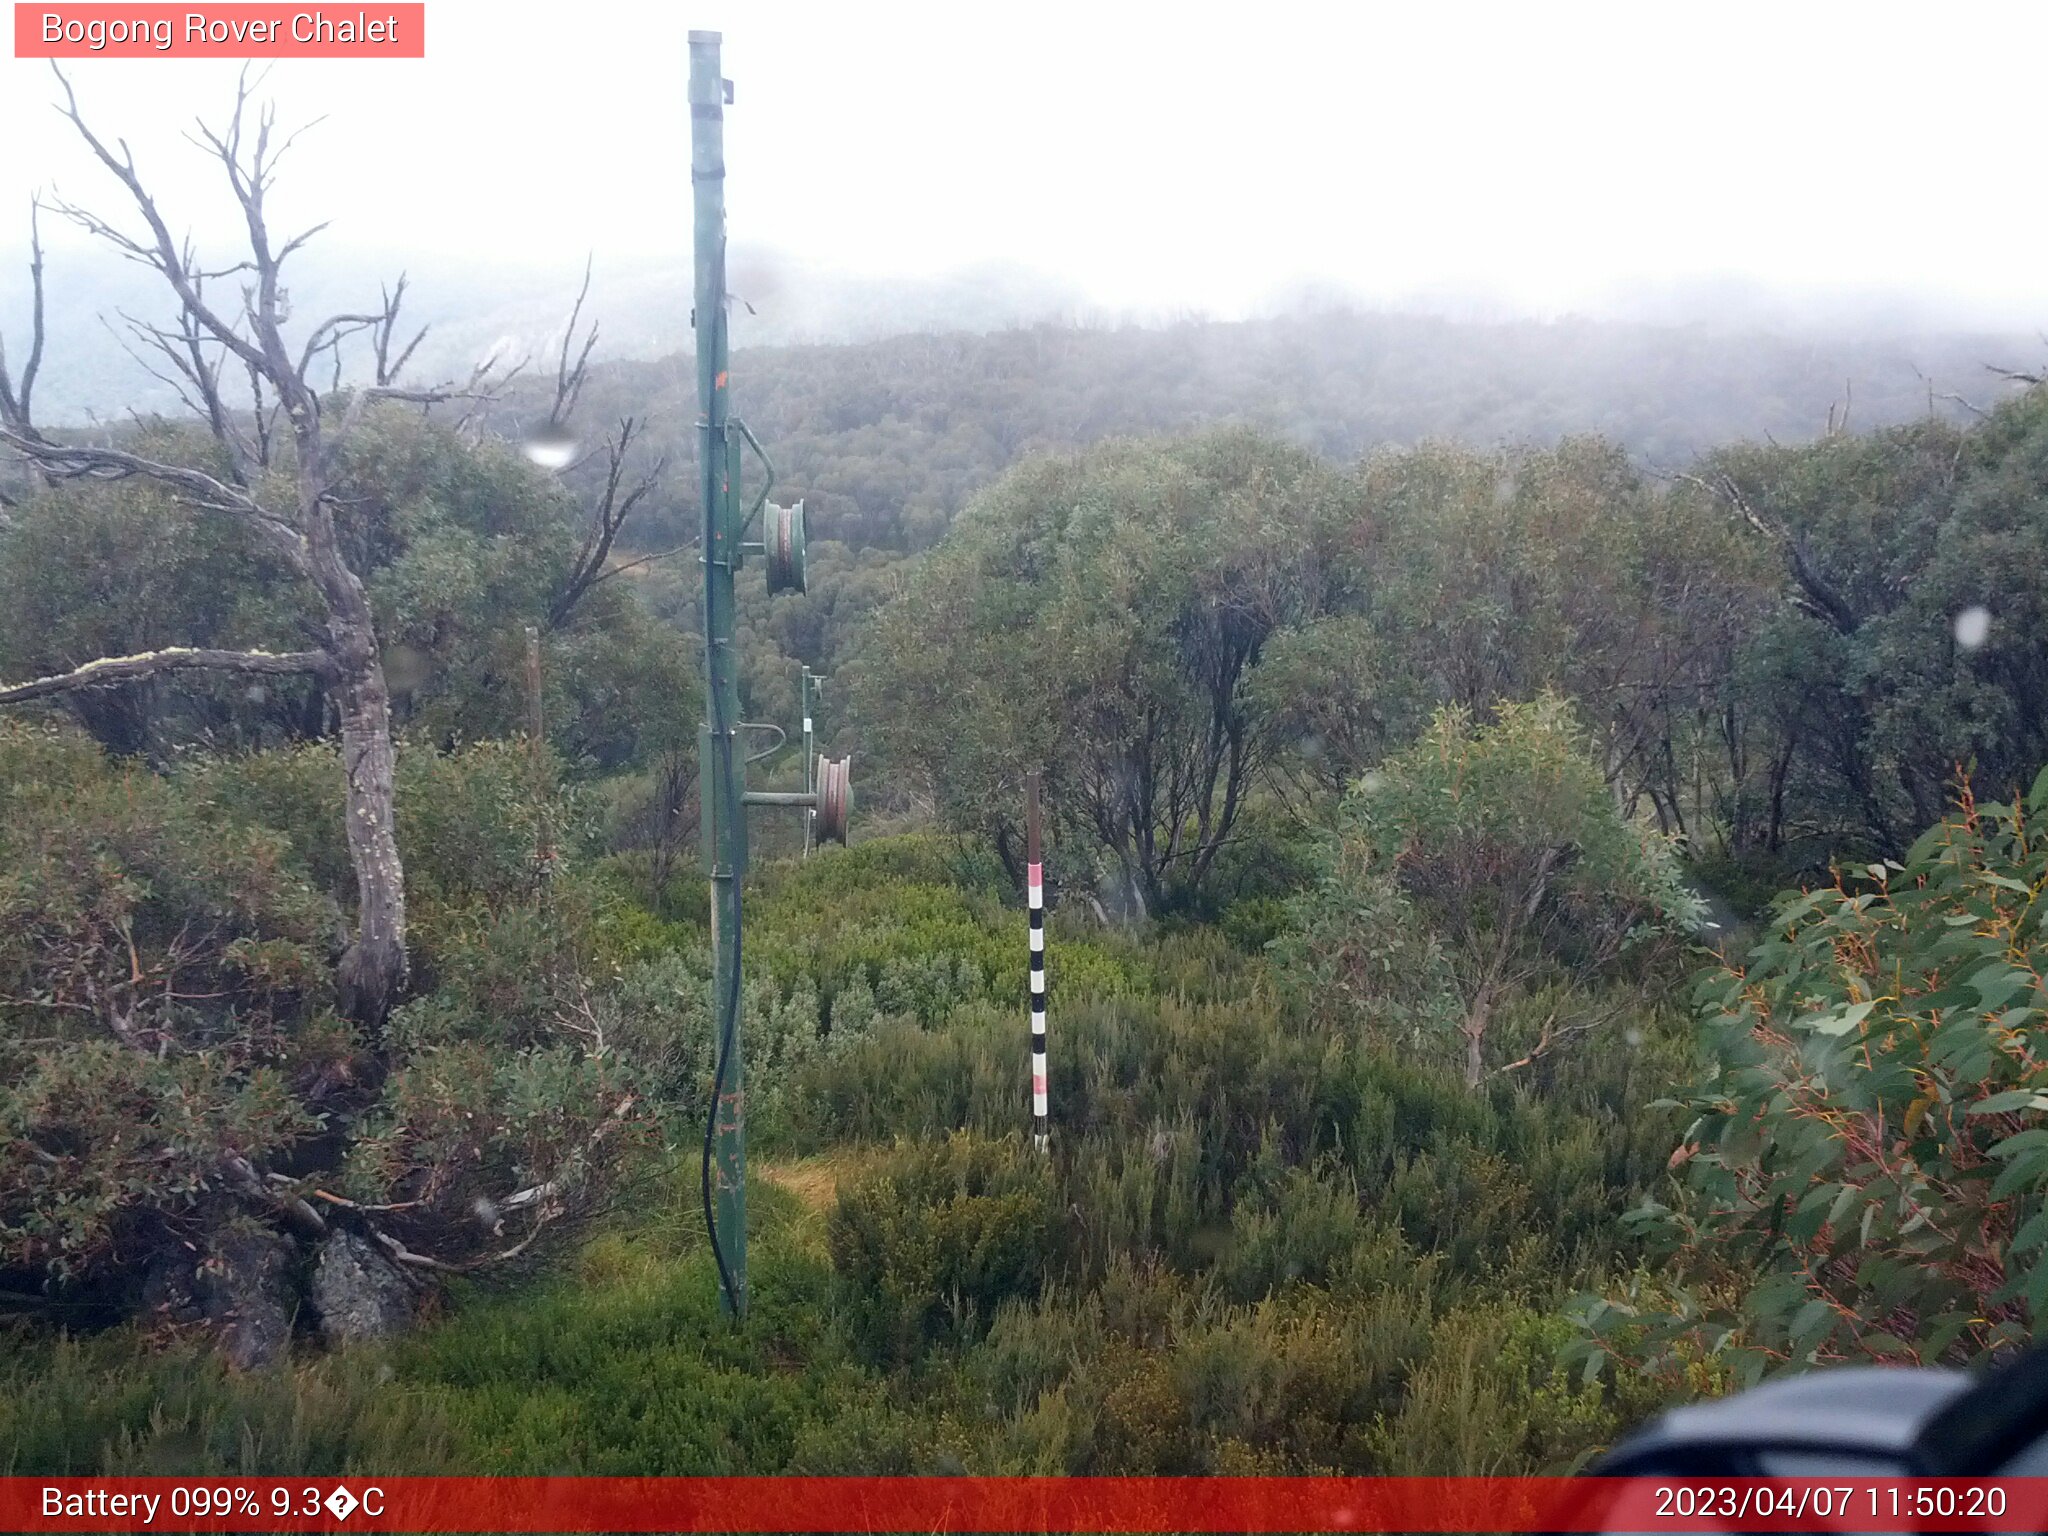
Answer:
(1482, 861)
(166, 1018)
(1493, 1399)
(1255, 922)
(1261, 1245)
(928, 1245)
(1868, 1165)
(473, 824)
(163, 987)
(120, 1404)
(1289, 1226)
(1150, 1372)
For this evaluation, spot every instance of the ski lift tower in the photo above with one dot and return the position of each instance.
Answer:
(722, 763)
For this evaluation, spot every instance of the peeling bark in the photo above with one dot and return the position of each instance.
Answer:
(1474, 1031)
(374, 969)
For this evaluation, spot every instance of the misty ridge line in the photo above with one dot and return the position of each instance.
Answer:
(1341, 371)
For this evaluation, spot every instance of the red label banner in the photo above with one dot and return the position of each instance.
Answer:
(102, 31)
(1021, 1504)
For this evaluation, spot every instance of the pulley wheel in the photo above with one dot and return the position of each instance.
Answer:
(835, 798)
(783, 543)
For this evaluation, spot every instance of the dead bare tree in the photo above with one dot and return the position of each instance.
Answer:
(2032, 380)
(615, 499)
(1838, 417)
(608, 513)
(1814, 594)
(570, 377)
(286, 500)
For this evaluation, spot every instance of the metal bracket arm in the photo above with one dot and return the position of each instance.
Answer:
(792, 797)
(767, 466)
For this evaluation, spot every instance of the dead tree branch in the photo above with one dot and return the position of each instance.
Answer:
(542, 1199)
(382, 336)
(1816, 594)
(160, 251)
(16, 396)
(569, 378)
(84, 461)
(108, 670)
(2018, 375)
(606, 519)
(1551, 1038)
(1950, 395)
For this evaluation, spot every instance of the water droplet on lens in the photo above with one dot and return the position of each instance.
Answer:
(1973, 627)
(550, 447)
(1633, 1036)
(406, 667)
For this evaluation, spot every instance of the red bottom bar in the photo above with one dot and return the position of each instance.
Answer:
(1021, 1504)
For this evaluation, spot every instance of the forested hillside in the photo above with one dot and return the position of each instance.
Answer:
(517, 305)
(887, 439)
(1540, 928)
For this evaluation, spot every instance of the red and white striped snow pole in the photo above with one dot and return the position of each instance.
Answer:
(1034, 878)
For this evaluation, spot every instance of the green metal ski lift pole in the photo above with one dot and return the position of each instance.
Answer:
(827, 797)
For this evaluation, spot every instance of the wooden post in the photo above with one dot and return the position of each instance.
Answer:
(536, 760)
(1034, 890)
(533, 691)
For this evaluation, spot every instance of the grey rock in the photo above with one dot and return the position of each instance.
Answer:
(244, 1288)
(170, 1288)
(358, 1293)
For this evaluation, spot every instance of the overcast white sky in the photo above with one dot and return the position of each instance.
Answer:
(1169, 153)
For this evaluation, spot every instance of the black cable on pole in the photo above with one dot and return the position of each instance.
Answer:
(728, 1025)
(728, 1028)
